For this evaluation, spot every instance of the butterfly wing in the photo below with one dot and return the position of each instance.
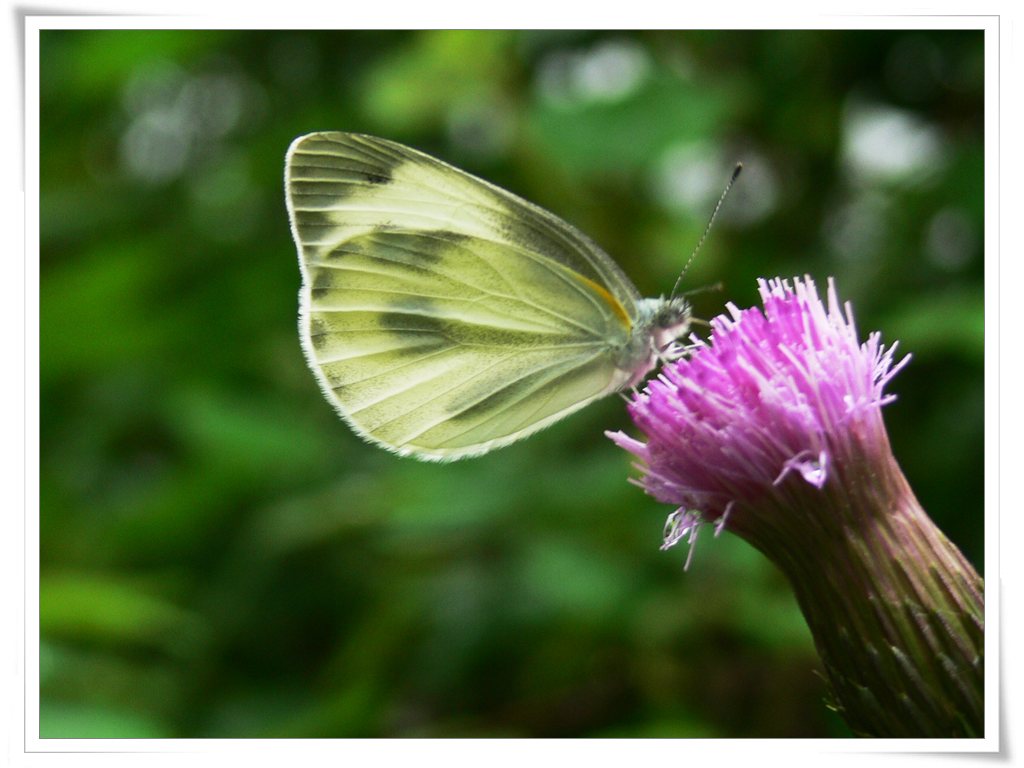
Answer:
(444, 316)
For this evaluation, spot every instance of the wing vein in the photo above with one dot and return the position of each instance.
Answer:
(575, 285)
(488, 292)
(546, 375)
(440, 394)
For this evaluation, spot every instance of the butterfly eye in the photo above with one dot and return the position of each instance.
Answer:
(672, 314)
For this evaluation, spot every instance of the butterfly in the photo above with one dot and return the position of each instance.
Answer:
(445, 317)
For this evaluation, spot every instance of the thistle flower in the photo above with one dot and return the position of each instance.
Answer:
(773, 430)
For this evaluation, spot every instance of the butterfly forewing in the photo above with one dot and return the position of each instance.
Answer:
(344, 181)
(442, 315)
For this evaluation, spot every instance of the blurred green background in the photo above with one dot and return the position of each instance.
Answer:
(222, 557)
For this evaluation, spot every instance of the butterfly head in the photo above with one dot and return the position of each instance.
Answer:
(660, 322)
(670, 320)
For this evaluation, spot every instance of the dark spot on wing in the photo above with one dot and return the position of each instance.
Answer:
(328, 166)
(323, 278)
(405, 246)
(323, 281)
(545, 234)
(356, 246)
(418, 245)
(523, 232)
(312, 223)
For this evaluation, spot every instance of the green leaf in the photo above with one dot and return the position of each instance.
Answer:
(113, 609)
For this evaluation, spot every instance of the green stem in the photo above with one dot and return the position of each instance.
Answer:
(896, 611)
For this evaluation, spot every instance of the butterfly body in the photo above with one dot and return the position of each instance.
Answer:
(443, 316)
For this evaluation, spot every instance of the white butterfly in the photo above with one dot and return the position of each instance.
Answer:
(445, 317)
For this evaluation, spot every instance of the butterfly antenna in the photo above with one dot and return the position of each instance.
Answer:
(703, 237)
(719, 286)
